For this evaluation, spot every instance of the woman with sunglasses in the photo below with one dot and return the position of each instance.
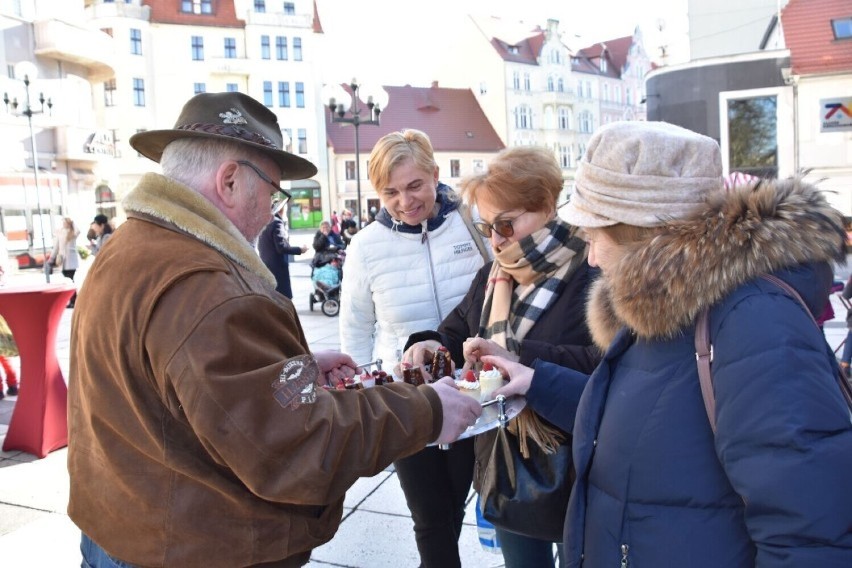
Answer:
(405, 272)
(526, 305)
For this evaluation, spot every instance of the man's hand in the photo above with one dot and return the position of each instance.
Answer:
(520, 376)
(460, 411)
(335, 366)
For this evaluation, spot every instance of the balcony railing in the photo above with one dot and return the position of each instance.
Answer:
(62, 41)
(119, 10)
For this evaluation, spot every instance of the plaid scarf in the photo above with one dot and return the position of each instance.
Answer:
(525, 279)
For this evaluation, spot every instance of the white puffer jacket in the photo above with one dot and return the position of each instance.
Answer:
(396, 283)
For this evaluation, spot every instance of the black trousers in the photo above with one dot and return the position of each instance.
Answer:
(436, 484)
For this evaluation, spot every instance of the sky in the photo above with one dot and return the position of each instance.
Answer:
(393, 41)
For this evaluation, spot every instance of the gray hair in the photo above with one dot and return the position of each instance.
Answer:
(188, 160)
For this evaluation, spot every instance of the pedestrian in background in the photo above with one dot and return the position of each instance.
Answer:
(200, 433)
(274, 248)
(65, 254)
(759, 475)
(404, 273)
(102, 230)
(8, 347)
(846, 356)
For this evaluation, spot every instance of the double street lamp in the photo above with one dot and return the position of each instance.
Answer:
(376, 102)
(29, 72)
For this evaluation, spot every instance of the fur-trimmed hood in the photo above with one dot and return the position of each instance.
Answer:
(659, 285)
(161, 198)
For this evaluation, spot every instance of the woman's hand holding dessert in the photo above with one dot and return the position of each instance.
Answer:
(430, 357)
(476, 348)
(520, 376)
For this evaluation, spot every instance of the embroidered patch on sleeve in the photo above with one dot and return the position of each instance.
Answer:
(296, 384)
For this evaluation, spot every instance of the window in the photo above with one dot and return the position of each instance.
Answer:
(526, 81)
(753, 136)
(196, 6)
(350, 169)
(297, 49)
(198, 88)
(260, 6)
(281, 48)
(478, 166)
(300, 95)
(560, 85)
(516, 81)
(603, 63)
(842, 28)
(564, 119)
(264, 47)
(230, 48)
(303, 141)
(617, 93)
(109, 93)
(135, 41)
(455, 168)
(197, 48)
(629, 96)
(284, 94)
(604, 92)
(588, 89)
(267, 93)
(585, 122)
(513, 49)
(579, 88)
(139, 92)
(523, 117)
(550, 85)
(564, 156)
(232, 87)
(289, 8)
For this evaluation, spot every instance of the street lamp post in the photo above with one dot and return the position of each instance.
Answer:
(376, 102)
(28, 70)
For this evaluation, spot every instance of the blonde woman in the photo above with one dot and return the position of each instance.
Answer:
(65, 254)
(405, 272)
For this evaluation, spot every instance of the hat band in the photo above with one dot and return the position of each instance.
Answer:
(230, 131)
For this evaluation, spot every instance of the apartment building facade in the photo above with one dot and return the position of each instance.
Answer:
(536, 90)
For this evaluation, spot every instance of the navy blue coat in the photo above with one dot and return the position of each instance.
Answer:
(273, 249)
(656, 487)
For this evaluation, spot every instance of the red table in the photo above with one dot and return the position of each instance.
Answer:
(40, 420)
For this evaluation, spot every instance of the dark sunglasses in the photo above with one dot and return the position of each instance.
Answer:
(502, 227)
(279, 194)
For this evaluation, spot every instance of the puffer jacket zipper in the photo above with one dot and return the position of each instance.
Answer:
(425, 240)
(624, 560)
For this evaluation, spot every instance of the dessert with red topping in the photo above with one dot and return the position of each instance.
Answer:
(469, 385)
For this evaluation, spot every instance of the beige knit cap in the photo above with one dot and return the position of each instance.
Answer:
(642, 174)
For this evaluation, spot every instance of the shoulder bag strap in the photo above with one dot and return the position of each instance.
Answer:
(704, 356)
(704, 353)
(464, 211)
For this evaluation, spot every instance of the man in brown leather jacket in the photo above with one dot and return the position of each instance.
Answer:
(200, 433)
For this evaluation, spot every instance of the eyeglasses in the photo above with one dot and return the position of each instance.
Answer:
(279, 195)
(502, 227)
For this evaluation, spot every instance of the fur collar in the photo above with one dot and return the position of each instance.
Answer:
(176, 204)
(660, 285)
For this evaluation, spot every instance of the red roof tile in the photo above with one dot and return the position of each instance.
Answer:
(617, 51)
(452, 118)
(810, 37)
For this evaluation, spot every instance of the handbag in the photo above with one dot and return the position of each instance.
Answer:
(527, 496)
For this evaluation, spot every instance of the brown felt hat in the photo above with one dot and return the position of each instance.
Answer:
(227, 116)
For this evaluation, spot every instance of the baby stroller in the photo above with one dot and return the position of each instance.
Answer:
(326, 274)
